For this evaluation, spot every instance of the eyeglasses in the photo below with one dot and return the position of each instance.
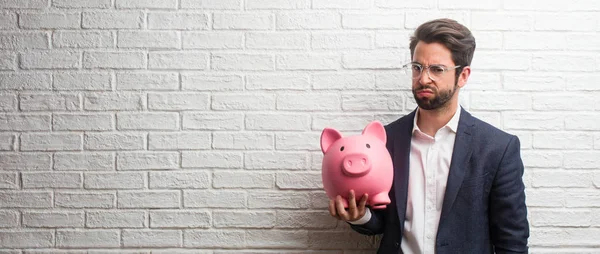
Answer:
(434, 71)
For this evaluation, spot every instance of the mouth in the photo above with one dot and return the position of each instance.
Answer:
(424, 92)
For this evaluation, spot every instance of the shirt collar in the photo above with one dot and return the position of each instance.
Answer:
(452, 124)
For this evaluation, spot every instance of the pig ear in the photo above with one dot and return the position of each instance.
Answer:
(328, 136)
(377, 130)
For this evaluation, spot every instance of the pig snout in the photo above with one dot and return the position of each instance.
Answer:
(356, 165)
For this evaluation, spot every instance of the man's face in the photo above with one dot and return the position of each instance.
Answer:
(437, 92)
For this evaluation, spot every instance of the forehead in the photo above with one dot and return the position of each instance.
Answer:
(432, 53)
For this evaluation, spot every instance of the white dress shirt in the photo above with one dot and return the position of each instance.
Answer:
(430, 159)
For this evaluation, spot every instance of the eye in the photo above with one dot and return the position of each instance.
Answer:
(436, 69)
(417, 68)
(342, 148)
(368, 146)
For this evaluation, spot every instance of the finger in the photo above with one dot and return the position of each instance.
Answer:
(363, 202)
(332, 208)
(352, 204)
(340, 208)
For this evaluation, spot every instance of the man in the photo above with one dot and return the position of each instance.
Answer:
(458, 184)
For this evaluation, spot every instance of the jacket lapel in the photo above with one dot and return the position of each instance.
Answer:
(401, 161)
(460, 161)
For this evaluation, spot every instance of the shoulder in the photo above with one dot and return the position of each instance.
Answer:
(490, 135)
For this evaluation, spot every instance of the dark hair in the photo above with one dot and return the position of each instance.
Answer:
(456, 37)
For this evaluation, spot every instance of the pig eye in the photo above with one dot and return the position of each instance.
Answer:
(368, 146)
(342, 148)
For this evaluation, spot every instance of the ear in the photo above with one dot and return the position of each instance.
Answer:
(328, 137)
(464, 76)
(375, 129)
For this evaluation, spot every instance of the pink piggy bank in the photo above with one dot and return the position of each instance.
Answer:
(361, 163)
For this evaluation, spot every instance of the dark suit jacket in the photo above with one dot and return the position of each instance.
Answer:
(484, 207)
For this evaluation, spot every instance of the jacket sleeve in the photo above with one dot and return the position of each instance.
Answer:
(509, 228)
(374, 226)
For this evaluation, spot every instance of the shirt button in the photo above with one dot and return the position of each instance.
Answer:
(429, 237)
(397, 244)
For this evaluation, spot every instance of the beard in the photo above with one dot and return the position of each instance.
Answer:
(439, 100)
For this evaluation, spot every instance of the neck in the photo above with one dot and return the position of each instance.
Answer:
(430, 121)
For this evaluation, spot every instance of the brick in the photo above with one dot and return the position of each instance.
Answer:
(8, 20)
(243, 180)
(243, 219)
(564, 179)
(275, 160)
(277, 4)
(525, 41)
(276, 239)
(537, 121)
(106, 101)
(212, 40)
(597, 141)
(552, 237)
(534, 82)
(547, 62)
(21, 238)
(500, 101)
(563, 140)
(53, 219)
(392, 81)
(372, 102)
(279, 40)
(83, 39)
(309, 101)
(214, 199)
(113, 20)
(25, 81)
(390, 39)
(213, 121)
(82, 122)
(9, 181)
(147, 160)
(49, 102)
(181, 251)
(392, 4)
(50, 142)
(581, 83)
(179, 180)
(277, 82)
(546, 159)
(337, 40)
(212, 4)
(147, 81)
(115, 219)
(214, 239)
(102, 4)
(343, 4)
(243, 101)
(89, 238)
(23, 40)
(564, 22)
(243, 141)
(148, 39)
(304, 219)
(501, 21)
(114, 60)
(299, 181)
(84, 199)
(177, 60)
(178, 101)
(564, 101)
(9, 218)
(241, 62)
(197, 82)
(373, 21)
(376, 59)
(582, 122)
(353, 122)
(25, 161)
(180, 219)
(84, 161)
(493, 40)
(148, 121)
(492, 60)
(50, 251)
(179, 141)
(25, 199)
(581, 159)
(309, 61)
(581, 198)
(8, 102)
(81, 81)
(8, 60)
(148, 199)
(321, 239)
(243, 21)
(50, 20)
(583, 42)
(119, 180)
(24, 122)
(114, 141)
(211, 159)
(151, 238)
(51, 180)
(146, 4)
(298, 141)
(177, 20)
(307, 20)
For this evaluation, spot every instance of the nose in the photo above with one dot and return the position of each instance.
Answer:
(356, 165)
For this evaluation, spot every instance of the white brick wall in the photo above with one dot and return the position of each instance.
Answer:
(192, 126)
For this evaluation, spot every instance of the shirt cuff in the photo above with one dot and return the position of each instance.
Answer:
(364, 219)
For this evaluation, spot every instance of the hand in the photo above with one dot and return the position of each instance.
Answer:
(354, 212)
